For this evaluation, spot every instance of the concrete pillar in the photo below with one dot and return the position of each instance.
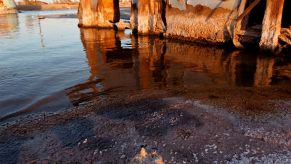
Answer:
(272, 24)
(150, 17)
(98, 13)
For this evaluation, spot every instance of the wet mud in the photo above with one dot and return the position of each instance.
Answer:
(183, 126)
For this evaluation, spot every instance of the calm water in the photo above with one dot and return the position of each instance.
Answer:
(51, 64)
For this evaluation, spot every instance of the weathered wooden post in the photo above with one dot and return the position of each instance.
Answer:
(98, 13)
(150, 17)
(240, 23)
(272, 24)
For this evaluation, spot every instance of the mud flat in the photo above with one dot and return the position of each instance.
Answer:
(193, 125)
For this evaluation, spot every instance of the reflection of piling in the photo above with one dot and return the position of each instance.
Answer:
(96, 42)
(41, 34)
(230, 67)
(9, 23)
(241, 69)
(144, 65)
(247, 70)
(264, 71)
(157, 62)
(95, 52)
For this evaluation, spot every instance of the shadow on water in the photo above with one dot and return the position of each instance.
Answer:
(121, 62)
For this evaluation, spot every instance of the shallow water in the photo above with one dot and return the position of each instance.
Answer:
(50, 64)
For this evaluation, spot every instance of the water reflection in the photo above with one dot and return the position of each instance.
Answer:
(30, 22)
(119, 62)
(155, 63)
(8, 24)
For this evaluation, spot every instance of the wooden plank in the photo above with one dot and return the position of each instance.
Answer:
(248, 10)
(272, 24)
(241, 23)
(238, 24)
(250, 33)
(285, 36)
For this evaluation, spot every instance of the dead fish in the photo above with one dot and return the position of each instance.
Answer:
(143, 157)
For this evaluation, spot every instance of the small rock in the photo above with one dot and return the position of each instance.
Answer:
(156, 143)
(85, 141)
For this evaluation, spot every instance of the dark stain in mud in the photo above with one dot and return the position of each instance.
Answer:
(152, 118)
(73, 133)
(10, 149)
(97, 142)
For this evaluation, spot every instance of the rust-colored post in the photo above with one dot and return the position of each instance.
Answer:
(272, 24)
(98, 13)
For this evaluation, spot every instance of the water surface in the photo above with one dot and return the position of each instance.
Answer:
(51, 64)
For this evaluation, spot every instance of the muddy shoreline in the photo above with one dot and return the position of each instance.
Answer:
(193, 125)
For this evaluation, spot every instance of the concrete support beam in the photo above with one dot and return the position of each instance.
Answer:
(98, 13)
(272, 24)
(149, 18)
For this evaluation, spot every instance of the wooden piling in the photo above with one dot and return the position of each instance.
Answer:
(150, 17)
(239, 24)
(98, 13)
(272, 24)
